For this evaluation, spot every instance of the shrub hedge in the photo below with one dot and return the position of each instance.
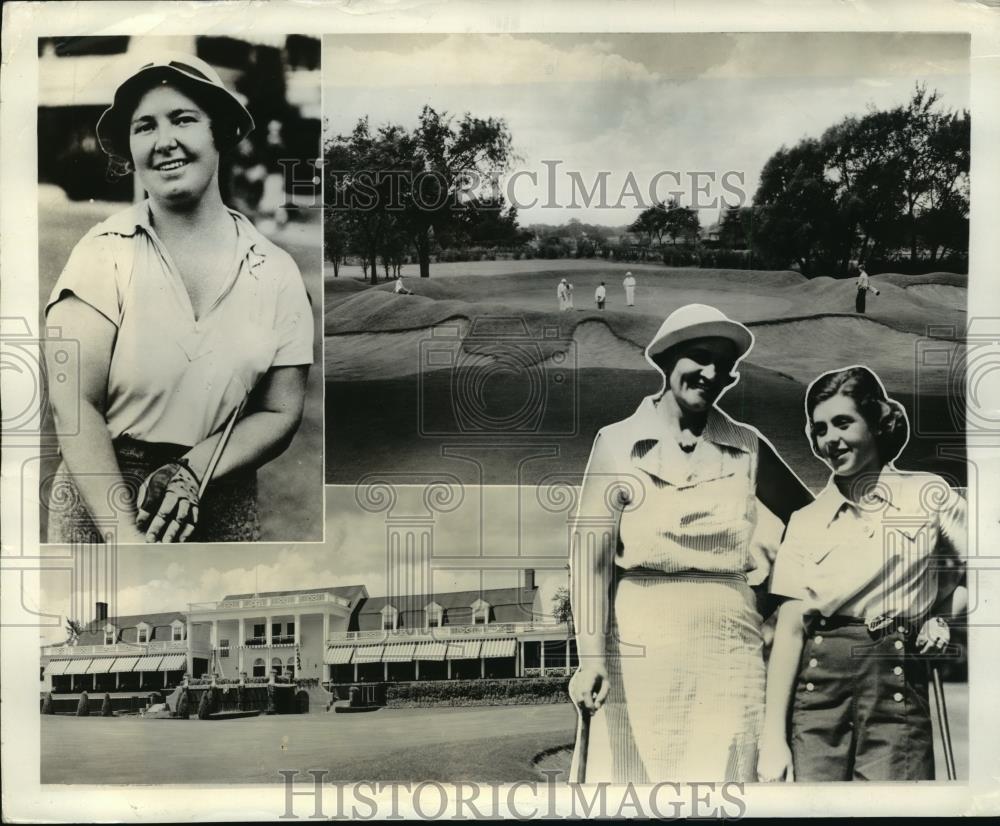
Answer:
(106, 706)
(83, 705)
(541, 690)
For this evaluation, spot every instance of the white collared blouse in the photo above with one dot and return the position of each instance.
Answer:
(672, 510)
(174, 378)
(879, 557)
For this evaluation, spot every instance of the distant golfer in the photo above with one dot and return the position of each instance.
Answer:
(629, 284)
(562, 293)
(600, 295)
(864, 287)
(400, 289)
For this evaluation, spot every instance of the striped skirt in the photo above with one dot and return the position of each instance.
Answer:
(227, 513)
(686, 669)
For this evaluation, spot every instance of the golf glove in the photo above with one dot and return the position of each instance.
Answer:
(934, 636)
(168, 503)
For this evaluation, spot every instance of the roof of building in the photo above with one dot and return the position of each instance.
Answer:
(94, 632)
(454, 599)
(347, 591)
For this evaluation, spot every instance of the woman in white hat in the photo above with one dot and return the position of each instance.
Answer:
(183, 312)
(668, 633)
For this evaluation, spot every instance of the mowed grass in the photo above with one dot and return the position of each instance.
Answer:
(485, 744)
(291, 486)
(490, 744)
(390, 407)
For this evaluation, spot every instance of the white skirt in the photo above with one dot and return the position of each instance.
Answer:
(686, 700)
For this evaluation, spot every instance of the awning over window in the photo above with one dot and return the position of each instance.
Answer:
(398, 652)
(123, 664)
(368, 654)
(78, 666)
(100, 665)
(57, 667)
(498, 648)
(173, 662)
(151, 662)
(464, 650)
(433, 651)
(339, 655)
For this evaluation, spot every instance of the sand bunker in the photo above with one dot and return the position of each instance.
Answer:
(943, 294)
(805, 348)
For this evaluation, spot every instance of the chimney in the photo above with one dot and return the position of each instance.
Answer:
(529, 579)
(101, 611)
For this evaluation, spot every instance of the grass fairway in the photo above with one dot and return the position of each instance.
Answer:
(495, 743)
(481, 366)
(290, 487)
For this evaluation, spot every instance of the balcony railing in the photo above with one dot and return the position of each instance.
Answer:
(125, 649)
(444, 632)
(261, 642)
(288, 601)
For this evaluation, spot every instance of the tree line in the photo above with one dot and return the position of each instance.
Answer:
(890, 188)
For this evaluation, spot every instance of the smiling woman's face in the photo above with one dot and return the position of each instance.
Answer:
(701, 370)
(172, 147)
(843, 438)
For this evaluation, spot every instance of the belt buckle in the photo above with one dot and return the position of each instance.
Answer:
(878, 623)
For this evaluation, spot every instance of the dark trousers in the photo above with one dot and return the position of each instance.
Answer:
(859, 301)
(600, 305)
(861, 708)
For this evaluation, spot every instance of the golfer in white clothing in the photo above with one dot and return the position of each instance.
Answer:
(629, 284)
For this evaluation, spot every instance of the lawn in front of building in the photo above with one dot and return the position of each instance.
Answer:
(495, 743)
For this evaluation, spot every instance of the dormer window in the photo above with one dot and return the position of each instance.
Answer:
(143, 632)
(435, 615)
(109, 634)
(177, 631)
(390, 618)
(480, 612)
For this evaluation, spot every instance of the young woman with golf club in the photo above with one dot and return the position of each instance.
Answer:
(668, 632)
(873, 571)
(184, 314)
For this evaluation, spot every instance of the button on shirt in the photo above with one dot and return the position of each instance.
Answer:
(173, 378)
(878, 557)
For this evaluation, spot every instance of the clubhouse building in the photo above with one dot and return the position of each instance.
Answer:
(328, 636)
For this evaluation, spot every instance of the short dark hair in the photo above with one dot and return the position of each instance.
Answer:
(885, 417)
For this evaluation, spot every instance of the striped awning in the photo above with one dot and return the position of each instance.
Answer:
(434, 651)
(498, 648)
(173, 662)
(78, 666)
(464, 650)
(57, 667)
(123, 664)
(398, 652)
(368, 653)
(101, 665)
(339, 655)
(151, 662)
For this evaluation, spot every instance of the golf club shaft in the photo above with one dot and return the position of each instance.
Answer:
(220, 447)
(582, 744)
(942, 709)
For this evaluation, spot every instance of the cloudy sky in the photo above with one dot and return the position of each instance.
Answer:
(497, 522)
(644, 103)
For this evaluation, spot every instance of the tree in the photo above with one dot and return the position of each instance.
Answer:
(184, 704)
(106, 706)
(83, 705)
(562, 610)
(48, 707)
(457, 160)
(870, 186)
